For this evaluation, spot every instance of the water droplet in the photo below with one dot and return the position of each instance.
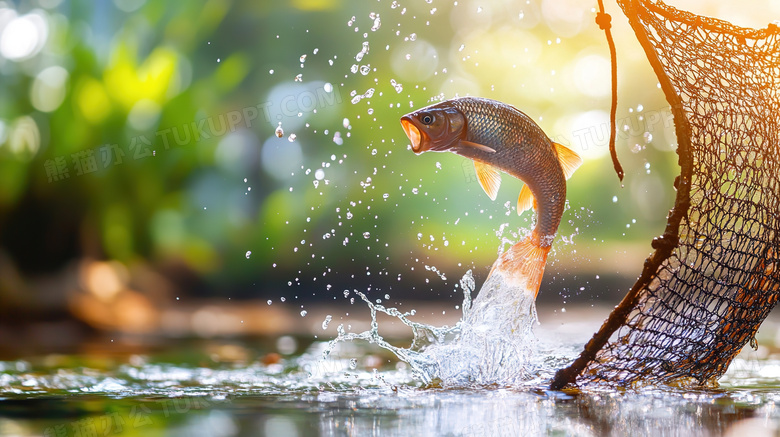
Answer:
(248, 254)
(353, 363)
(299, 77)
(398, 87)
(366, 235)
(269, 302)
(337, 139)
(328, 87)
(326, 322)
(365, 69)
(292, 138)
(377, 22)
(279, 130)
(363, 51)
(303, 313)
(319, 174)
(303, 58)
(614, 199)
(648, 137)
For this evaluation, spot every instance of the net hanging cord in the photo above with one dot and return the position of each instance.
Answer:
(604, 20)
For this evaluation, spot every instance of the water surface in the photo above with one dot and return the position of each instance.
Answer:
(224, 388)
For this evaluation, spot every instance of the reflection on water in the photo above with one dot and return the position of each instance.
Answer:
(309, 396)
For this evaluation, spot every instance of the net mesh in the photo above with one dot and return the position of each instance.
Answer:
(715, 274)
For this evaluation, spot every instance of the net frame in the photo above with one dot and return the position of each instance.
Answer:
(714, 275)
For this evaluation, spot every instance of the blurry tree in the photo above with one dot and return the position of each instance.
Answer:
(250, 149)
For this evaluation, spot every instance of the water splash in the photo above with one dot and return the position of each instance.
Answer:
(492, 344)
(496, 341)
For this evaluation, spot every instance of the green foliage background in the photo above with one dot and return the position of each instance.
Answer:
(381, 218)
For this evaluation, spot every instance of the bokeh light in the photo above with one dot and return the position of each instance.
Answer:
(25, 138)
(49, 88)
(22, 37)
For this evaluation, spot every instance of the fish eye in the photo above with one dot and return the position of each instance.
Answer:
(426, 118)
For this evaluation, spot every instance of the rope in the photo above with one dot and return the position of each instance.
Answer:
(604, 20)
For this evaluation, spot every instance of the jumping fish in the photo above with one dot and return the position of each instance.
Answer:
(497, 136)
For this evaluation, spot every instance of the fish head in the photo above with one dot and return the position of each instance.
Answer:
(436, 128)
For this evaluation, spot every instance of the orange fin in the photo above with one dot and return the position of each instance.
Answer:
(525, 200)
(477, 146)
(489, 178)
(523, 264)
(569, 159)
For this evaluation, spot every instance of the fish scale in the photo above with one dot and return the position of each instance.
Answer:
(522, 150)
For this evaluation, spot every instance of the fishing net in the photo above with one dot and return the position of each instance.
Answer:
(715, 272)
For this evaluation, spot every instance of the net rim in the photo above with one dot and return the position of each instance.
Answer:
(710, 23)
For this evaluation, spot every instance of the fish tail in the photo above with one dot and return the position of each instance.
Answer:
(523, 264)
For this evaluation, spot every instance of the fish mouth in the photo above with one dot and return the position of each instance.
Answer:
(414, 134)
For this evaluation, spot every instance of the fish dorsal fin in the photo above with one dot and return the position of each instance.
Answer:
(465, 143)
(569, 159)
(489, 178)
(526, 200)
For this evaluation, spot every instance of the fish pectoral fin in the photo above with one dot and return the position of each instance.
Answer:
(489, 178)
(568, 158)
(526, 200)
(477, 146)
